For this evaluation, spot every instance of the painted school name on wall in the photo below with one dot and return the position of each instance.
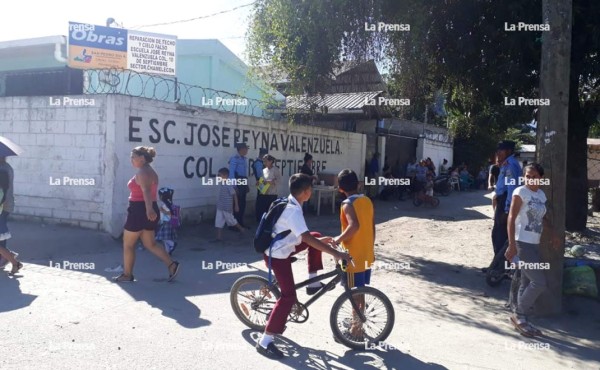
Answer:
(222, 136)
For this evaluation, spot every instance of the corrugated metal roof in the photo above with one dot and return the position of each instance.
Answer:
(335, 103)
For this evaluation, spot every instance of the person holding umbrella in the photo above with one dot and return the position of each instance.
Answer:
(7, 203)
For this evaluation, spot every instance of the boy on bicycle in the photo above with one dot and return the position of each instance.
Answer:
(297, 240)
(358, 238)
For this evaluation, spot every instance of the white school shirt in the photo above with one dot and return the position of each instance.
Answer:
(528, 225)
(291, 219)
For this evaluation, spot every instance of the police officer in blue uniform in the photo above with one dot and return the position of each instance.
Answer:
(508, 181)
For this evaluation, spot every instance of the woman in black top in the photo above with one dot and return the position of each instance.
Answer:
(307, 167)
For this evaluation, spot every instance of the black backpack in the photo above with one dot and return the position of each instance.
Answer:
(263, 239)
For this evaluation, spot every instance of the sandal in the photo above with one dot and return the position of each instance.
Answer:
(123, 279)
(537, 332)
(16, 268)
(174, 273)
(522, 327)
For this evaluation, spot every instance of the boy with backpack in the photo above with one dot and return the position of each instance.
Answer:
(358, 238)
(297, 238)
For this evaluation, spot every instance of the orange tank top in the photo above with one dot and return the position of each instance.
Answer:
(361, 246)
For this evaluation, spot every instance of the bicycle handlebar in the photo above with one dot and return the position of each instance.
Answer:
(344, 263)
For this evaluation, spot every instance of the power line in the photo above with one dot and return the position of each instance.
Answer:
(197, 18)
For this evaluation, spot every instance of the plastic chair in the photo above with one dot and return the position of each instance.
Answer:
(455, 181)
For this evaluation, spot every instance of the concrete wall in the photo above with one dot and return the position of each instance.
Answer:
(94, 143)
(435, 150)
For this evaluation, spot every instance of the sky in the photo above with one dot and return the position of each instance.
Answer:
(24, 19)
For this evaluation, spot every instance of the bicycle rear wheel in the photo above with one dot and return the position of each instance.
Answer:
(252, 300)
(379, 314)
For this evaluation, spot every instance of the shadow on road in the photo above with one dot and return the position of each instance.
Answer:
(298, 357)
(451, 283)
(12, 297)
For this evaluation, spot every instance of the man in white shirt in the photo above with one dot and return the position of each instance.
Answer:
(296, 241)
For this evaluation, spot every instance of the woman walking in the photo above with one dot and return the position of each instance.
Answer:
(142, 215)
(525, 225)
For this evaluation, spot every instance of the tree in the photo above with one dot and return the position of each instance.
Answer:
(552, 143)
(458, 46)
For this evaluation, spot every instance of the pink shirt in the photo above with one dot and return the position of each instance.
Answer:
(137, 195)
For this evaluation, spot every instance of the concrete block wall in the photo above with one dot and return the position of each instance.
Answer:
(59, 141)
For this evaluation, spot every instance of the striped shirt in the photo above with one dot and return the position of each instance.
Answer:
(237, 167)
(225, 200)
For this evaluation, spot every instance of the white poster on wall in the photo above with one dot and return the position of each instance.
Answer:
(151, 53)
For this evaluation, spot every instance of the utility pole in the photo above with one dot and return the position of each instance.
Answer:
(552, 142)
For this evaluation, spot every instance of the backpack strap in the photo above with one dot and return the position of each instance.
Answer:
(277, 237)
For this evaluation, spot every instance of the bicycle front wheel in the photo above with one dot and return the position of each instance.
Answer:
(252, 300)
(346, 325)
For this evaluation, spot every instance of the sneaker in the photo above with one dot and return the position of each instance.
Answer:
(270, 351)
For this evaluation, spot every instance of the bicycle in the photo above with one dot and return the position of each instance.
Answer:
(376, 320)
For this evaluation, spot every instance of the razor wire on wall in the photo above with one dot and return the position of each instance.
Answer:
(168, 89)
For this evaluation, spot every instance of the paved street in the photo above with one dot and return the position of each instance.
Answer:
(446, 316)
